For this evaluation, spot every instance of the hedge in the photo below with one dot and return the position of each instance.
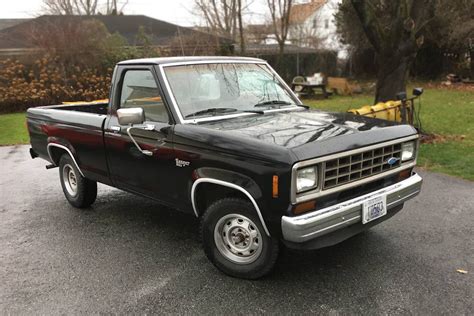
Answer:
(47, 81)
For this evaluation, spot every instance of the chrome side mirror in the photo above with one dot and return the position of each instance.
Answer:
(130, 116)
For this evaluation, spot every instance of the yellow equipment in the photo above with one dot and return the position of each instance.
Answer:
(391, 111)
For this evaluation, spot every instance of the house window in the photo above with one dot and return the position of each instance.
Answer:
(326, 23)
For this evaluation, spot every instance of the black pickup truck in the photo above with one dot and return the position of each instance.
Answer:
(227, 141)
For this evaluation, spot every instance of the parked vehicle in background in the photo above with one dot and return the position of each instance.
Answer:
(227, 141)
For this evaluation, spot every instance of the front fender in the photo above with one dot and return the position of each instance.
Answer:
(238, 179)
(231, 180)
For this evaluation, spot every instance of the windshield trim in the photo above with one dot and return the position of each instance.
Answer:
(183, 120)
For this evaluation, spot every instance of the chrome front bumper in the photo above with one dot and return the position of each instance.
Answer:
(309, 226)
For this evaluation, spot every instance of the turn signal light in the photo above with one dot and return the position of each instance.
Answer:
(275, 187)
(405, 174)
(304, 207)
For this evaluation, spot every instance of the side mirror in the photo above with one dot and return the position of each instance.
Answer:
(131, 116)
(417, 92)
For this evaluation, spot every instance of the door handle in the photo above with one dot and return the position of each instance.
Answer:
(148, 127)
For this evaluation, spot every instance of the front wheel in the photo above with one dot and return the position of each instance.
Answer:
(79, 191)
(234, 239)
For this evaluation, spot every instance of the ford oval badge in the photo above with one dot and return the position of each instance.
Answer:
(393, 160)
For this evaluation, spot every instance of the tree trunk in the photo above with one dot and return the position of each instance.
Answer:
(471, 56)
(391, 76)
(241, 27)
(281, 54)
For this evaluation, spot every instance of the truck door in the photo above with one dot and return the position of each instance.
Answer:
(130, 169)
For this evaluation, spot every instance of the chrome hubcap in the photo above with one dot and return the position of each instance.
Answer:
(238, 239)
(70, 180)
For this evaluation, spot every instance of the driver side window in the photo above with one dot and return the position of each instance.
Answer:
(139, 89)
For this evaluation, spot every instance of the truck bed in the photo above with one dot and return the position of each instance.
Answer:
(88, 107)
(78, 127)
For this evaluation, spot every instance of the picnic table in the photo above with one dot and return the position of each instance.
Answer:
(307, 89)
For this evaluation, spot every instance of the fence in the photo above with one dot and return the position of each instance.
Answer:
(302, 64)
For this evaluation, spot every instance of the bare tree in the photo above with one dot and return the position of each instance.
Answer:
(220, 16)
(241, 26)
(112, 7)
(280, 18)
(87, 7)
(83, 7)
(53, 35)
(395, 31)
(193, 45)
(60, 7)
(456, 31)
(224, 18)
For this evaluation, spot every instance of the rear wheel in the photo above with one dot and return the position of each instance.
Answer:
(79, 191)
(234, 239)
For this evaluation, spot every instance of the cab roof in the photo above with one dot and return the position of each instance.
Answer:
(169, 60)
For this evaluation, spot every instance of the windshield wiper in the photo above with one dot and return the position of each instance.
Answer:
(272, 103)
(211, 111)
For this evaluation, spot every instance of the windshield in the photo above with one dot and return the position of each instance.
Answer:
(218, 89)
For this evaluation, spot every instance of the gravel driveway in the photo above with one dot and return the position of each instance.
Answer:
(129, 255)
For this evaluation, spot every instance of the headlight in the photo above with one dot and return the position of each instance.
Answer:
(306, 179)
(408, 151)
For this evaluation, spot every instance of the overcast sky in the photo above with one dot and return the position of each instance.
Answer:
(174, 11)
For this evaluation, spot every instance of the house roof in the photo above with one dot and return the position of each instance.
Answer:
(6, 23)
(160, 32)
(301, 12)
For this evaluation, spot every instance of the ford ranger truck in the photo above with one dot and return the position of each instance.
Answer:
(225, 140)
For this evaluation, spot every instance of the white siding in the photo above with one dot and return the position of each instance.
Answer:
(321, 26)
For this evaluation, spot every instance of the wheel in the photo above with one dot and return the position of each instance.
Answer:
(79, 191)
(234, 240)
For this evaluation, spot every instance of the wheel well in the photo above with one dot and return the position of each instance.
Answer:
(208, 193)
(56, 153)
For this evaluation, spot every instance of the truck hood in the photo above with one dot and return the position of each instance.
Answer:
(296, 128)
(291, 136)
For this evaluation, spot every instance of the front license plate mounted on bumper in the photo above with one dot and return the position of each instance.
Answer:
(312, 225)
(374, 208)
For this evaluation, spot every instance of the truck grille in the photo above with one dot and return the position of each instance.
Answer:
(354, 167)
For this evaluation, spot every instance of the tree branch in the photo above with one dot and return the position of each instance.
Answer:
(365, 10)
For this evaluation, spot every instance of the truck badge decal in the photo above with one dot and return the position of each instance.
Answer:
(392, 161)
(182, 163)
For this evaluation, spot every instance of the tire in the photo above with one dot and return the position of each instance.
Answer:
(234, 240)
(79, 191)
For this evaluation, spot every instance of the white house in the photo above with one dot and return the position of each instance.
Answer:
(312, 24)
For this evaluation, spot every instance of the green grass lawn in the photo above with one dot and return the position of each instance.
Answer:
(445, 112)
(12, 129)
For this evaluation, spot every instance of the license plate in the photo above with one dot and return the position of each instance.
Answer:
(374, 208)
